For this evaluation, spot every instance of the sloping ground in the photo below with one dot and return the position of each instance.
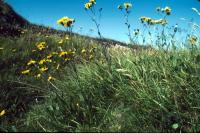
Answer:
(10, 21)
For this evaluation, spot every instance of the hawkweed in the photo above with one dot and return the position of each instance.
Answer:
(67, 23)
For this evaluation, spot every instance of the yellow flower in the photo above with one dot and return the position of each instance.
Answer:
(38, 75)
(44, 69)
(26, 71)
(88, 5)
(61, 41)
(41, 62)
(50, 78)
(41, 45)
(1, 48)
(163, 22)
(2, 113)
(193, 40)
(31, 62)
(127, 5)
(66, 22)
(63, 53)
(145, 19)
(83, 50)
(48, 60)
(49, 56)
(67, 38)
(167, 10)
(92, 1)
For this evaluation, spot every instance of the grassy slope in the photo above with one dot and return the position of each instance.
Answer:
(135, 91)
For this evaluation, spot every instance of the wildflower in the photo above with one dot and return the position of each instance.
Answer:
(67, 38)
(61, 41)
(41, 45)
(145, 19)
(88, 5)
(31, 62)
(167, 10)
(50, 78)
(26, 72)
(41, 62)
(38, 75)
(1, 48)
(83, 50)
(49, 56)
(127, 5)
(66, 22)
(63, 53)
(44, 69)
(163, 22)
(193, 40)
(92, 1)
(2, 113)
(48, 60)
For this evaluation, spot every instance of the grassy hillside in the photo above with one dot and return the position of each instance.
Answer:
(60, 81)
(146, 90)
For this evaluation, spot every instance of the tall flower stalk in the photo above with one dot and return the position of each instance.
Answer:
(95, 16)
(125, 8)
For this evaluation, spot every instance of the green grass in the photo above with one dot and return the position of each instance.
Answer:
(142, 91)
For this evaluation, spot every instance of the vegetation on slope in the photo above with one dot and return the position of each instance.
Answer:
(61, 82)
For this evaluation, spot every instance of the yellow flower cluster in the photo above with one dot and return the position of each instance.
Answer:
(47, 63)
(125, 6)
(90, 4)
(193, 40)
(66, 22)
(167, 10)
(67, 55)
(151, 21)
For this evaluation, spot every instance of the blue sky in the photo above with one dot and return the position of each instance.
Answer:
(47, 12)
